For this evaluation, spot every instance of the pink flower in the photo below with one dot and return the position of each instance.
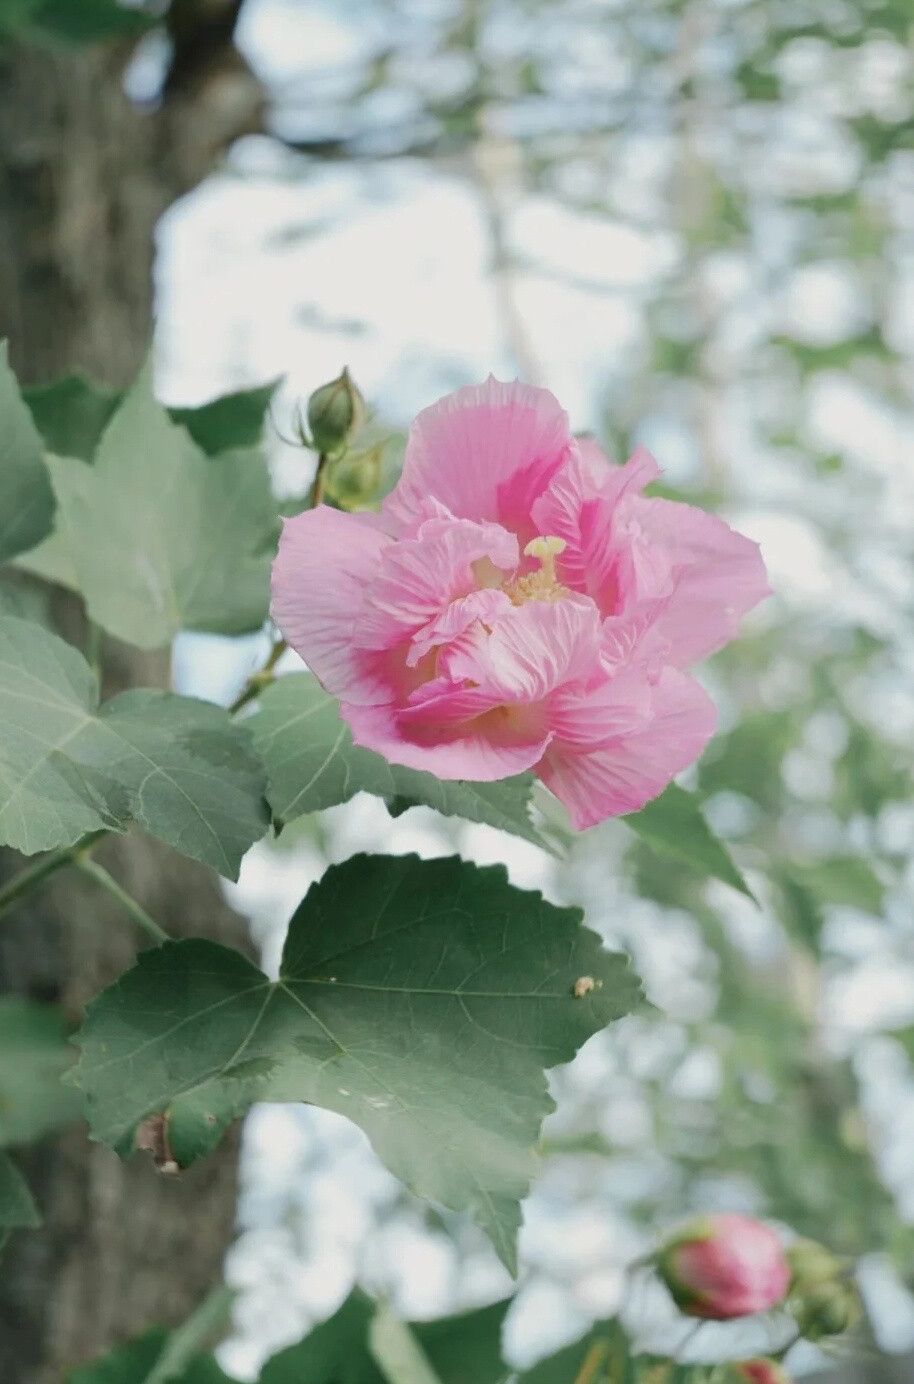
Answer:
(725, 1266)
(518, 604)
(761, 1372)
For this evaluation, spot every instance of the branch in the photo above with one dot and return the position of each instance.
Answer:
(210, 96)
(201, 32)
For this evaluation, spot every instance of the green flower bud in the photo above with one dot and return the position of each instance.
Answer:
(334, 412)
(354, 477)
(826, 1309)
(811, 1263)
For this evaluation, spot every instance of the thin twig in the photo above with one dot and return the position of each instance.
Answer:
(93, 870)
(259, 680)
(30, 879)
(265, 675)
(591, 1363)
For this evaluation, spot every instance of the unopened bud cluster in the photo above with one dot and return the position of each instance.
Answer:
(721, 1267)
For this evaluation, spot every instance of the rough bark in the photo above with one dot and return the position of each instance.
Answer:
(83, 179)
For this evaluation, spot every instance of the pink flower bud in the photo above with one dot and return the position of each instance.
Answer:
(761, 1372)
(718, 1267)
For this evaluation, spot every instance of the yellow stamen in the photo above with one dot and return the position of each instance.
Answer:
(546, 550)
(542, 585)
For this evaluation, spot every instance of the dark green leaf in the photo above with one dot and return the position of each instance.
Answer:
(17, 1209)
(85, 21)
(463, 1349)
(178, 767)
(166, 1357)
(26, 498)
(335, 1352)
(312, 764)
(71, 414)
(130, 1364)
(421, 998)
(34, 1054)
(466, 1349)
(229, 422)
(396, 1350)
(160, 538)
(675, 825)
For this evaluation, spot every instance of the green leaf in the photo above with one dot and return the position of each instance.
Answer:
(674, 824)
(161, 537)
(14, 13)
(26, 498)
(71, 414)
(178, 767)
(564, 1365)
(85, 21)
(163, 1357)
(34, 1054)
(17, 1209)
(335, 1352)
(129, 1364)
(396, 1349)
(466, 1349)
(423, 999)
(312, 764)
(229, 422)
(462, 1349)
(844, 879)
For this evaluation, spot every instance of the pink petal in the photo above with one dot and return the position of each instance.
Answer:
(324, 570)
(486, 606)
(596, 780)
(476, 750)
(717, 576)
(586, 505)
(531, 650)
(417, 578)
(486, 451)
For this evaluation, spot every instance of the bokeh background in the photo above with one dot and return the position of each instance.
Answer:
(693, 220)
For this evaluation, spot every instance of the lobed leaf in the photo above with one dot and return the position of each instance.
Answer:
(178, 767)
(162, 538)
(423, 999)
(26, 498)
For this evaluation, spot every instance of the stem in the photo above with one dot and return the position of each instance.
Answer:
(264, 676)
(591, 1363)
(688, 1338)
(94, 647)
(29, 880)
(257, 681)
(320, 480)
(93, 870)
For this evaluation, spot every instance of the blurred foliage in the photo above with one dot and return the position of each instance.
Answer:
(772, 141)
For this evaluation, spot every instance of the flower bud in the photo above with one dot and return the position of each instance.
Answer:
(761, 1372)
(811, 1263)
(826, 1309)
(724, 1266)
(354, 477)
(334, 412)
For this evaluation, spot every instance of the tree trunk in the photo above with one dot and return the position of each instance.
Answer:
(83, 179)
